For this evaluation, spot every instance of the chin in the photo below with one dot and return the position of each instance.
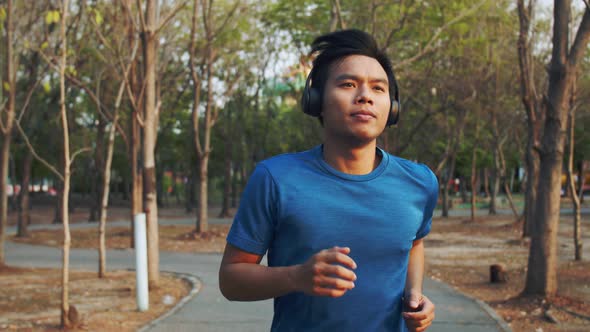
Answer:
(363, 138)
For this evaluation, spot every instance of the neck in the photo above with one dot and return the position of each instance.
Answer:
(357, 160)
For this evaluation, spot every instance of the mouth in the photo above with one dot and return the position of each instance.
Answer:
(363, 115)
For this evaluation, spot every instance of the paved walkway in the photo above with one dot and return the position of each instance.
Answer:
(208, 311)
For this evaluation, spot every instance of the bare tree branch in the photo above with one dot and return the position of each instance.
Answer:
(141, 18)
(3, 106)
(400, 26)
(227, 18)
(170, 16)
(582, 38)
(28, 99)
(429, 45)
(102, 110)
(34, 153)
(75, 154)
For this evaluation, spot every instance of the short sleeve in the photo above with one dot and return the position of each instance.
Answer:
(432, 197)
(253, 227)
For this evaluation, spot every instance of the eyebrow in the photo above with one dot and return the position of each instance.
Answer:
(344, 77)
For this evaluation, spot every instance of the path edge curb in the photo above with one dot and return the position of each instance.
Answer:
(491, 312)
(196, 285)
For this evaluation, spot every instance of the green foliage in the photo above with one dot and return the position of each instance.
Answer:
(52, 16)
(2, 18)
(260, 53)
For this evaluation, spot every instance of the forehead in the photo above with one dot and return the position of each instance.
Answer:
(360, 66)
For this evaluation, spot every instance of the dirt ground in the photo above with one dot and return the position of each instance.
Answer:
(30, 300)
(459, 252)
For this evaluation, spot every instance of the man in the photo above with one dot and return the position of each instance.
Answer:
(342, 223)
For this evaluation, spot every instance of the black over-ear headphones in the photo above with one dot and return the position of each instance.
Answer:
(311, 101)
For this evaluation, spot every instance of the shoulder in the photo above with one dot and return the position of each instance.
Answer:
(288, 163)
(417, 171)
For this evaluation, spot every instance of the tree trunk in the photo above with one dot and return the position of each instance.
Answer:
(541, 276)
(137, 179)
(532, 182)
(495, 186)
(530, 103)
(24, 215)
(58, 218)
(98, 169)
(136, 105)
(160, 190)
(14, 197)
(582, 181)
(486, 181)
(202, 220)
(473, 180)
(227, 169)
(105, 197)
(503, 179)
(190, 191)
(235, 185)
(65, 306)
(448, 177)
(149, 141)
(463, 189)
(570, 179)
(10, 80)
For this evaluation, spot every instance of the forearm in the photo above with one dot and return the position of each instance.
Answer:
(254, 282)
(415, 275)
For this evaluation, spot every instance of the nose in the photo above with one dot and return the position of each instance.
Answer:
(364, 96)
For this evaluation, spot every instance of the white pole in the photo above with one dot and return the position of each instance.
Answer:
(141, 262)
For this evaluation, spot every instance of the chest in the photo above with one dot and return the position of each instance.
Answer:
(376, 218)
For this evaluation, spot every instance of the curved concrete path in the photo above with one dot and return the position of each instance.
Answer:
(208, 311)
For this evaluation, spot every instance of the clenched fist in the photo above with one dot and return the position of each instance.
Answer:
(327, 273)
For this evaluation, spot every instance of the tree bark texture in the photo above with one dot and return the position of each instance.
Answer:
(530, 103)
(149, 141)
(570, 177)
(541, 276)
(7, 123)
(446, 202)
(104, 201)
(65, 306)
(24, 209)
(495, 186)
(98, 169)
(473, 178)
(136, 105)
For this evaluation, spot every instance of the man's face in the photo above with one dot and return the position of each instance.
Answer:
(356, 100)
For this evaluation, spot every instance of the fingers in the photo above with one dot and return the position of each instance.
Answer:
(337, 255)
(333, 287)
(335, 271)
(421, 319)
(328, 273)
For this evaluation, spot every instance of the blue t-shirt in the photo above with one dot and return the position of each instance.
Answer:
(296, 205)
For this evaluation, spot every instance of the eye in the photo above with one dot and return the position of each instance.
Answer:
(379, 88)
(347, 85)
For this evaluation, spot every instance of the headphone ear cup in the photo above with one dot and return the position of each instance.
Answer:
(394, 113)
(310, 99)
(315, 106)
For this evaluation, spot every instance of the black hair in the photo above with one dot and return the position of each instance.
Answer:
(335, 46)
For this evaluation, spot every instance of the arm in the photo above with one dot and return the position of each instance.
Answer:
(415, 274)
(242, 278)
(418, 309)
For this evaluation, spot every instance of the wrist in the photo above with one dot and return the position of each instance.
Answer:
(293, 273)
(412, 291)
